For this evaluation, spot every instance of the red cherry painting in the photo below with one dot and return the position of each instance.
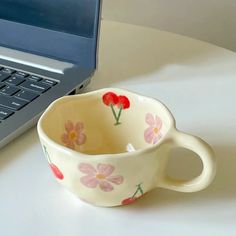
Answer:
(120, 101)
(53, 167)
(110, 98)
(123, 102)
(56, 171)
(137, 194)
(128, 200)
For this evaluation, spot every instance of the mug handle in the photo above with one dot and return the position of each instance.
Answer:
(206, 154)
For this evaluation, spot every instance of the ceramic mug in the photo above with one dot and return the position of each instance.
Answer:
(111, 146)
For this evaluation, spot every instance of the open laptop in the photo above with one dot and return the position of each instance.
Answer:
(47, 49)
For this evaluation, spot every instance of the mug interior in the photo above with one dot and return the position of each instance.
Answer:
(106, 122)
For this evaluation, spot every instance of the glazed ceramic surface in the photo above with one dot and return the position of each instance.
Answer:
(111, 146)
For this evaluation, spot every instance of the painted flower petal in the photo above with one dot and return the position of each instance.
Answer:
(157, 138)
(116, 179)
(105, 169)
(70, 145)
(158, 122)
(89, 181)
(87, 169)
(69, 126)
(150, 119)
(79, 126)
(65, 138)
(149, 135)
(81, 139)
(105, 186)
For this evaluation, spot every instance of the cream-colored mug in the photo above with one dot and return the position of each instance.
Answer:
(111, 146)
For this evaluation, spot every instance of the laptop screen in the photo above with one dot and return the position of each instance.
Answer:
(69, 16)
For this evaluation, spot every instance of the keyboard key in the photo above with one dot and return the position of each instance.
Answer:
(4, 113)
(12, 102)
(21, 74)
(9, 90)
(14, 80)
(38, 87)
(7, 71)
(34, 78)
(3, 76)
(28, 96)
(2, 85)
(49, 82)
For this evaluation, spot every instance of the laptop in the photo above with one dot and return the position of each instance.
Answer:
(48, 49)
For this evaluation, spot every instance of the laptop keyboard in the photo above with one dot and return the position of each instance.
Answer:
(18, 89)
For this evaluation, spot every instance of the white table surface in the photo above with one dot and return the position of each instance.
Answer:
(197, 81)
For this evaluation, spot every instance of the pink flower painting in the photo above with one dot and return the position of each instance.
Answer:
(153, 133)
(74, 134)
(100, 176)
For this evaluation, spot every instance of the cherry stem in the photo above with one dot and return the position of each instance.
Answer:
(46, 154)
(113, 111)
(118, 117)
(139, 189)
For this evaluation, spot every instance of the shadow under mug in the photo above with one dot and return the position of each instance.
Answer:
(111, 146)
